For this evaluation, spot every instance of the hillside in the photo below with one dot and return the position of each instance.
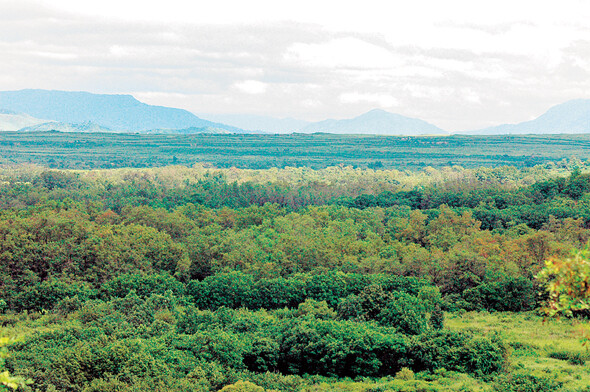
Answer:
(569, 117)
(86, 127)
(253, 122)
(377, 122)
(116, 112)
(12, 121)
(187, 131)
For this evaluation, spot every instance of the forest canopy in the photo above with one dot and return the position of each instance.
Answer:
(198, 278)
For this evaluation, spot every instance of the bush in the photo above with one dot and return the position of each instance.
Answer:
(143, 286)
(317, 309)
(341, 348)
(277, 293)
(562, 355)
(351, 308)
(576, 359)
(406, 313)
(365, 306)
(68, 305)
(510, 294)
(49, 293)
(521, 382)
(458, 351)
(242, 386)
(405, 374)
(572, 358)
(232, 290)
(484, 355)
(264, 355)
(437, 318)
(237, 289)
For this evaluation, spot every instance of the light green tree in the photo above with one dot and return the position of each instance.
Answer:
(8, 382)
(568, 284)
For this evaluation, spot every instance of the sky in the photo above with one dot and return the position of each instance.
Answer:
(460, 65)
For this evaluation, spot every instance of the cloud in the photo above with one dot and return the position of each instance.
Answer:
(349, 52)
(458, 64)
(251, 86)
(382, 100)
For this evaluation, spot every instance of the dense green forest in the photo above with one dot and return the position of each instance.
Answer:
(337, 278)
(318, 151)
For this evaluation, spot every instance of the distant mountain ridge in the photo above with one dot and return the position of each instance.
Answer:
(377, 122)
(39, 110)
(188, 131)
(253, 122)
(116, 112)
(86, 127)
(13, 121)
(569, 117)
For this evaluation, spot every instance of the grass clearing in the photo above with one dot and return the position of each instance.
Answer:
(535, 342)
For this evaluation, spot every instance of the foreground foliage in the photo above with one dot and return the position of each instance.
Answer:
(197, 279)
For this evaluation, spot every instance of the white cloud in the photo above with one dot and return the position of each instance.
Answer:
(56, 55)
(459, 64)
(118, 51)
(251, 86)
(349, 52)
(382, 100)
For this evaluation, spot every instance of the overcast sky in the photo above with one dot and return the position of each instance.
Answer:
(457, 64)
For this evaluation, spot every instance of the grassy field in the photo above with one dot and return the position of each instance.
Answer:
(543, 347)
(92, 150)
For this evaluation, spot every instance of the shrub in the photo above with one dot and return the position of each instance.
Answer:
(562, 355)
(264, 355)
(277, 293)
(237, 289)
(437, 318)
(365, 306)
(144, 286)
(484, 355)
(405, 374)
(341, 348)
(68, 305)
(576, 359)
(317, 309)
(406, 313)
(242, 386)
(510, 294)
(458, 351)
(524, 382)
(350, 308)
(232, 290)
(47, 295)
(572, 358)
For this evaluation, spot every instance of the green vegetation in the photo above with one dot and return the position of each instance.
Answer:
(294, 279)
(8, 382)
(96, 150)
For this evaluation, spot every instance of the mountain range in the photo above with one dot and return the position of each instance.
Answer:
(376, 122)
(116, 112)
(85, 127)
(569, 117)
(13, 121)
(67, 111)
(257, 123)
